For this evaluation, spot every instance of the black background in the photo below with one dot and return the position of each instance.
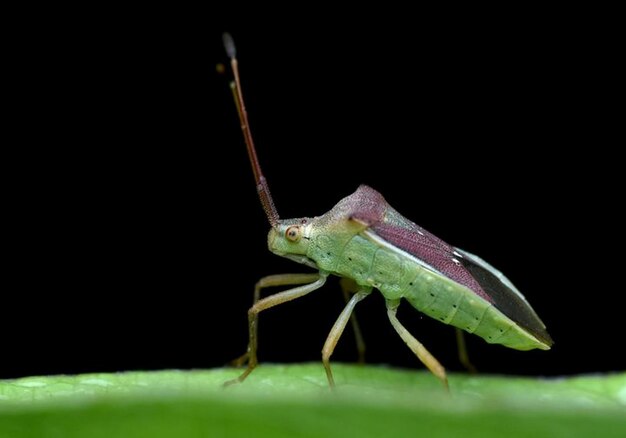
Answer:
(140, 237)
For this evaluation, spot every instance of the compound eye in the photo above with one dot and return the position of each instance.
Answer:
(293, 233)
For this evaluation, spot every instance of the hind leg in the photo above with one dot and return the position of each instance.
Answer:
(416, 347)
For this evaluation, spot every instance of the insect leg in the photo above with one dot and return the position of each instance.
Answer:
(337, 330)
(416, 347)
(272, 281)
(349, 286)
(266, 303)
(463, 356)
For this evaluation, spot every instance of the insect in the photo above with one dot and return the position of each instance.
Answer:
(372, 246)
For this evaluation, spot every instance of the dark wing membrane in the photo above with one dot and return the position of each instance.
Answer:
(462, 267)
(505, 296)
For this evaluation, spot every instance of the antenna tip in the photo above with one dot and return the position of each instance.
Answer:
(229, 45)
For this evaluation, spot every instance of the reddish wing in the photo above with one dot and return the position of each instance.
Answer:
(369, 207)
(431, 250)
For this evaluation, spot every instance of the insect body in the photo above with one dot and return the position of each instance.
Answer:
(364, 239)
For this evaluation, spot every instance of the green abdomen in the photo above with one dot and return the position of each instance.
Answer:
(398, 275)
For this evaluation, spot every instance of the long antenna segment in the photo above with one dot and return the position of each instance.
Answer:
(235, 86)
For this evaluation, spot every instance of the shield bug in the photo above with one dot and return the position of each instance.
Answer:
(371, 246)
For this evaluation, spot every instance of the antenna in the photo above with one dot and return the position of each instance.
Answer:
(261, 183)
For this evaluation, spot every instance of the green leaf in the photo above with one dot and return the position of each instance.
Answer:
(294, 400)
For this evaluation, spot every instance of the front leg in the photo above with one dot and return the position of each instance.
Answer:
(273, 281)
(266, 303)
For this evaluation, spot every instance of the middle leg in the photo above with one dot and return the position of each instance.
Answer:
(337, 330)
(349, 286)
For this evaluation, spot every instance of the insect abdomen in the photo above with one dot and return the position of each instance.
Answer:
(454, 304)
(399, 276)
